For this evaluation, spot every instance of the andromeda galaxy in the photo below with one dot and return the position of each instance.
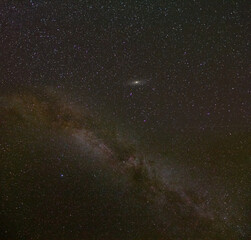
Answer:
(124, 121)
(137, 82)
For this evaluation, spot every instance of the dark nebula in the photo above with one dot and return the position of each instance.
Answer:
(124, 120)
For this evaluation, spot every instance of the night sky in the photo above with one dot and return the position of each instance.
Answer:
(125, 120)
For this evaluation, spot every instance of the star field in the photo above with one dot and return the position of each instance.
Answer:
(124, 120)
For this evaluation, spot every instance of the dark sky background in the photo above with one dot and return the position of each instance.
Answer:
(194, 55)
(173, 77)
